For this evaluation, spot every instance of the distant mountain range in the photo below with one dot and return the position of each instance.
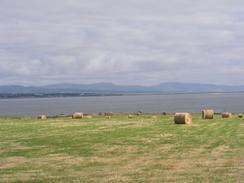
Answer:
(113, 88)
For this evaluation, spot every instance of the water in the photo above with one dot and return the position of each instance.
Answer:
(221, 102)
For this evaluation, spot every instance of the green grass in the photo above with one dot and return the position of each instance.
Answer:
(142, 149)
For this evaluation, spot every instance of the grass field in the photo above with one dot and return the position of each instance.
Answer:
(142, 149)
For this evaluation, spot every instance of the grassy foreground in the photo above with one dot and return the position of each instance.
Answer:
(146, 148)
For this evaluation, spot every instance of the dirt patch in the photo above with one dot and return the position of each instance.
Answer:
(219, 151)
(165, 148)
(58, 160)
(23, 176)
(176, 165)
(11, 162)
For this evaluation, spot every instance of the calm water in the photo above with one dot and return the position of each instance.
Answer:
(232, 102)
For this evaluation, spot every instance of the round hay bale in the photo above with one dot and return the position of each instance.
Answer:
(208, 114)
(240, 115)
(130, 116)
(108, 117)
(77, 115)
(42, 117)
(226, 115)
(183, 118)
(108, 114)
(100, 114)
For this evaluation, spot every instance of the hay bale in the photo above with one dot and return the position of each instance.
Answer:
(108, 117)
(226, 115)
(130, 116)
(240, 115)
(208, 114)
(183, 118)
(42, 117)
(164, 113)
(77, 115)
(108, 113)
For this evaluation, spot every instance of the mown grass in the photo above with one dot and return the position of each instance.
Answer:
(142, 149)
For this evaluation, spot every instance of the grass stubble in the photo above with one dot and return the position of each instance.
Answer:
(142, 149)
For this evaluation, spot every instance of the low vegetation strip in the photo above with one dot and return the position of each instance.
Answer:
(145, 148)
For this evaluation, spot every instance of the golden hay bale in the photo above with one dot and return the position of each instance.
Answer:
(108, 114)
(208, 114)
(240, 115)
(130, 116)
(108, 117)
(43, 117)
(226, 115)
(183, 118)
(77, 115)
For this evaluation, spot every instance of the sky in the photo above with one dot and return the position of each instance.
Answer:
(142, 42)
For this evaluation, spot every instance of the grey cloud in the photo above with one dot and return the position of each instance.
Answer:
(135, 42)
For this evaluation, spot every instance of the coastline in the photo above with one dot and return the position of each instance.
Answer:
(65, 95)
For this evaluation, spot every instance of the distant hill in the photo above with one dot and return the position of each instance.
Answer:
(113, 88)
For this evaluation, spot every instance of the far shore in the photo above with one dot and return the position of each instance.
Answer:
(62, 95)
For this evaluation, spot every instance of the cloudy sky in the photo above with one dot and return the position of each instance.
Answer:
(121, 41)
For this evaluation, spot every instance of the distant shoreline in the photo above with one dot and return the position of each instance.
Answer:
(64, 95)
